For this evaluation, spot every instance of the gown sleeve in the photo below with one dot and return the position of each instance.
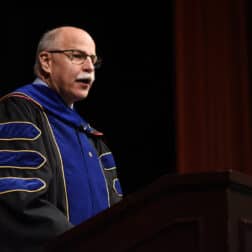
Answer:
(33, 198)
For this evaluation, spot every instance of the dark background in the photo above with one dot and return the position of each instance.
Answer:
(132, 99)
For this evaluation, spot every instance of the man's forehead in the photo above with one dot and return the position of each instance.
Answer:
(75, 37)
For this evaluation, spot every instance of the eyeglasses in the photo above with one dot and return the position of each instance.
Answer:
(78, 57)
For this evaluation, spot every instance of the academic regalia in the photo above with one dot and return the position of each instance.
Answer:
(55, 170)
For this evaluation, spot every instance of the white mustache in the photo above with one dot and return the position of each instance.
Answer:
(90, 76)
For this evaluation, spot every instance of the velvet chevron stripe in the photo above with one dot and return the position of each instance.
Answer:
(12, 184)
(21, 159)
(117, 186)
(108, 161)
(19, 131)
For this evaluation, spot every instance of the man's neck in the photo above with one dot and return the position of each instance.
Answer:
(41, 82)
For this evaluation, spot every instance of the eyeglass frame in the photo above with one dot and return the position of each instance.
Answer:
(96, 60)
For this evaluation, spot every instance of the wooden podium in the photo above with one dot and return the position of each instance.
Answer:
(203, 212)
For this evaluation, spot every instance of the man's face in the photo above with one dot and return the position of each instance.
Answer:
(70, 80)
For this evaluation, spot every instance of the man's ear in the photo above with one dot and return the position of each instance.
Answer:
(45, 61)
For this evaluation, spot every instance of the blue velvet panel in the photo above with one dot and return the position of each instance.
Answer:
(10, 184)
(108, 160)
(21, 159)
(18, 131)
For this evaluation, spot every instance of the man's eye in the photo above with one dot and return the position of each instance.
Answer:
(78, 56)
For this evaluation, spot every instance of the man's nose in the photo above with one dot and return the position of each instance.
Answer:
(88, 65)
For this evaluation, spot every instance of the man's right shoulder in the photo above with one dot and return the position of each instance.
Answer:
(20, 99)
(16, 106)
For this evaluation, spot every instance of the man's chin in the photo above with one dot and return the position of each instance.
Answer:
(82, 95)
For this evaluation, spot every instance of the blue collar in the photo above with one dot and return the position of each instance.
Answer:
(53, 104)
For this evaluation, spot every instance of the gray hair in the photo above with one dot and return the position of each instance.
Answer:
(46, 42)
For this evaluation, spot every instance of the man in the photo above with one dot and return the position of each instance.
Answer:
(55, 170)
